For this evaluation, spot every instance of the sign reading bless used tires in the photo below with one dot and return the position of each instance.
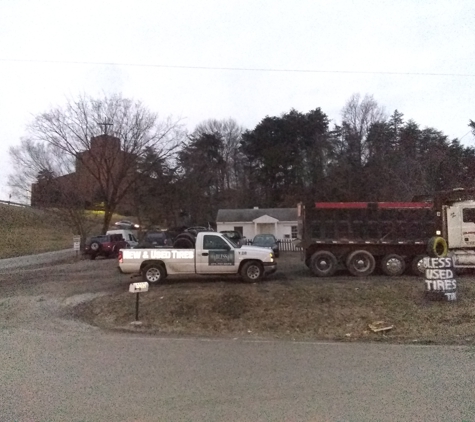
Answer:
(440, 279)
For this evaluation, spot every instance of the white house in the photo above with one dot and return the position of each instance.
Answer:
(281, 222)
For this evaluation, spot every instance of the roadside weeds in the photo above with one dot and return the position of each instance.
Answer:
(292, 305)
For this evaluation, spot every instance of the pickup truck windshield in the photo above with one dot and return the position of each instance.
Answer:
(235, 245)
(211, 241)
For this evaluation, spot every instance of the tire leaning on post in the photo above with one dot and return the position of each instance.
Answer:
(437, 247)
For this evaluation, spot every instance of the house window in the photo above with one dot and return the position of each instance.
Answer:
(294, 232)
(238, 229)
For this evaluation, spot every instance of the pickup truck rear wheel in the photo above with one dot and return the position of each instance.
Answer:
(252, 271)
(154, 273)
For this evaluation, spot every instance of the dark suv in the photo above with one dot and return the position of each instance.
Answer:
(107, 245)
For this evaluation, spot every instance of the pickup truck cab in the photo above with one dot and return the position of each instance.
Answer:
(212, 254)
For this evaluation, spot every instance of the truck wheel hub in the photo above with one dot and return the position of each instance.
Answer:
(394, 264)
(253, 272)
(153, 275)
(361, 264)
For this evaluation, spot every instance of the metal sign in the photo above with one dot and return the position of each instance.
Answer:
(76, 242)
(138, 287)
(221, 258)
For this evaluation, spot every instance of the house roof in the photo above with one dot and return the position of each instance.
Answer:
(250, 214)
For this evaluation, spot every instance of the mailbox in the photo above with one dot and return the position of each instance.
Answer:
(138, 287)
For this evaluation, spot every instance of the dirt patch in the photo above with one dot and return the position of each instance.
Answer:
(292, 304)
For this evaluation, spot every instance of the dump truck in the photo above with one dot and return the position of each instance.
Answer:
(394, 237)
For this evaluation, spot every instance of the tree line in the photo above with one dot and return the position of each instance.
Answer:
(177, 177)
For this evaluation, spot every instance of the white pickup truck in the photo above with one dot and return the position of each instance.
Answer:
(212, 254)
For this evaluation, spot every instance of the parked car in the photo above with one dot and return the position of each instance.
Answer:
(156, 239)
(126, 224)
(267, 241)
(235, 236)
(107, 245)
(128, 236)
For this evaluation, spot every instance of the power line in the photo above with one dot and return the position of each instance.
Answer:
(470, 131)
(238, 69)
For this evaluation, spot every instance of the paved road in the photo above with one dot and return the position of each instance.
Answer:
(103, 377)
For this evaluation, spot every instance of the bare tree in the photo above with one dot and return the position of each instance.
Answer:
(41, 166)
(112, 172)
(30, 159)
(358, 115)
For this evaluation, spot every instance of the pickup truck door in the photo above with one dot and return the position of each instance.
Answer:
(216, 257)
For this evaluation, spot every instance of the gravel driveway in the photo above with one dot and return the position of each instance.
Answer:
(41, 296)
(40, 259)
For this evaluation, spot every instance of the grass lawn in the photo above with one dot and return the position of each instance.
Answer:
(26, 231)
(293, 304)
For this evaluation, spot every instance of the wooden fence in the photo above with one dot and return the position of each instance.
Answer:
(288, 245)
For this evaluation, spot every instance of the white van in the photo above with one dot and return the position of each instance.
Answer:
(128, 236)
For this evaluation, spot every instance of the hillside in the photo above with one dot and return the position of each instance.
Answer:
(25, 231)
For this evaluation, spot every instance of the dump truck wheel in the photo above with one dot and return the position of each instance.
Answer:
(360, 263)
(393, 265)
(323, 263)
(417, 265)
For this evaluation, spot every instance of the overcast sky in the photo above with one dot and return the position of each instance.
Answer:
(414, 56)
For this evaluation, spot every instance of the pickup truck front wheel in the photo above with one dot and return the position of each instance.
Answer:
(252, 271)
(154, 273)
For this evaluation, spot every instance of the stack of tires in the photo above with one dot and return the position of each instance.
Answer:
(184, 241)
